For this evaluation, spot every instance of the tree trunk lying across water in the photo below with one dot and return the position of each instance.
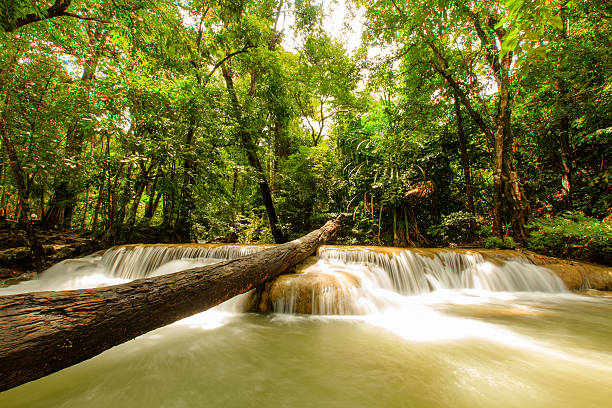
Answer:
(44, 332)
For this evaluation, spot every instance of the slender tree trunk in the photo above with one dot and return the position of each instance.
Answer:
(465, 161)
(41, 203)
(155, 205)
(245, 139)
(154, 198)
(86, 210)
(511, 186)
(3, 181)
(24, 208)
(564, 124)
(498, 165)
(96, 214)
(44, 332)
(124, 199)
(139, 188)
(63, 200)
(566, 153)
(234, 196)
(513, 193)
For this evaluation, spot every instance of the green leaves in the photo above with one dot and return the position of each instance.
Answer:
(574, 235)
(529, 25)
(13, 10)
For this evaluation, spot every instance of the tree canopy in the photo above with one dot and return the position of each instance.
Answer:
(453, 122)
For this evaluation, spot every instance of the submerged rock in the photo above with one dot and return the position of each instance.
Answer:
(577, 275)
(316, 287)
(596, 293)
(17, 277)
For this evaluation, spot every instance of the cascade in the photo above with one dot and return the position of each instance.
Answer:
(414, 272)
(338, 281)
(139, 261)
(362, 280)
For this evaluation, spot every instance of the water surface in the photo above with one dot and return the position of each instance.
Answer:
(466, 347)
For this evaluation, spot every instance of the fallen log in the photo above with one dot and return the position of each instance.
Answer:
(44, 332)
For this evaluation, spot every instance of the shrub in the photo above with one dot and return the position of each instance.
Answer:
(508, 243)
(572, 235)
(455, 227)
(493, 242)
(484, 231)
(498, 243)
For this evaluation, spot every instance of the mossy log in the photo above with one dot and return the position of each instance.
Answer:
(44, 332)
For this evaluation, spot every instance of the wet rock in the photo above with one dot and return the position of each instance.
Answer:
(9, 273)
(577, 275)
(15, 256)
(17, 278)
(13, 239)
(59, 252)
(312, 290)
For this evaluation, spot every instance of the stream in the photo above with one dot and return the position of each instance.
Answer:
(390, 328)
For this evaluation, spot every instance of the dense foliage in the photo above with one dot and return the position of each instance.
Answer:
(453, 123)
(573, 235)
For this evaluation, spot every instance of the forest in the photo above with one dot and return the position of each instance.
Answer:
(426, 123)
(298, 203)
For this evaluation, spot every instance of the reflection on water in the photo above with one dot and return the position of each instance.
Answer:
(468, 347)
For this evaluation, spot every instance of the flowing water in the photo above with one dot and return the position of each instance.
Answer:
(392, 328)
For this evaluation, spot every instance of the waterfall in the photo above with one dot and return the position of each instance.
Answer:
(140, 261)
(338, 281)
(414, 273)
(406, 271)
(365, 280)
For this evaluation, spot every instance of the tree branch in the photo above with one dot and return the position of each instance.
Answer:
(227, 57)
(58, 9)
(464, 99)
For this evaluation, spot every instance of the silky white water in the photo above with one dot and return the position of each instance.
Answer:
(444, 329)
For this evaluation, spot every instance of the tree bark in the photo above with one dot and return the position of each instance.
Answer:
(498, 161)
(96, 213)
(152, 204)
(44, 332)
(138, 191)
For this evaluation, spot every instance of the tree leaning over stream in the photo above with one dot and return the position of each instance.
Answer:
(43, 332)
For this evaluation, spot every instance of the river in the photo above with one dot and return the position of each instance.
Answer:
(413, 329)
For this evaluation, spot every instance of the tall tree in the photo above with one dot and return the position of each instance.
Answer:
(63, 200)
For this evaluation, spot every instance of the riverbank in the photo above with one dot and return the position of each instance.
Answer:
(16, 260)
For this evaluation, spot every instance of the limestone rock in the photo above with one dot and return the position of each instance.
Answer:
(15, 256)
(577, 275)
(13, 239)
(313, 289)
